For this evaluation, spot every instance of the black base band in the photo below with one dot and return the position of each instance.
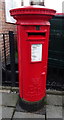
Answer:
(32, 106)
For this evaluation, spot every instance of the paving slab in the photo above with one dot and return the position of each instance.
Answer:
(54, 119)
(54, 100)
(63, 100)
(63, 112)
(7, 112)
(28, 115)
(0, 112)
(0, 98)
(9, 99)
(54, 112)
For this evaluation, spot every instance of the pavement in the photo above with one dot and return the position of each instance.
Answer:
(8, 107)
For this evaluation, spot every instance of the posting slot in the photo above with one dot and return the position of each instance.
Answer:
(36, 35)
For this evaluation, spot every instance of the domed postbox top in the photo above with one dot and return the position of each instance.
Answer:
(31, 14)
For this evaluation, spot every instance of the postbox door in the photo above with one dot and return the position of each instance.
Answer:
(33, 69)
(35, 84)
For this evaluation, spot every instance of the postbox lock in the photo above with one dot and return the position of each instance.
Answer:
(38, 27)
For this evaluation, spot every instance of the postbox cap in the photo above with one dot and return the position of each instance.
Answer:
(32, 15)
(32, 10)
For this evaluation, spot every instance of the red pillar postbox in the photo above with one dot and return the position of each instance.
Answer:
(33, 36)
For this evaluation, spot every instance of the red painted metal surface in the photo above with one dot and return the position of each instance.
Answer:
(33, 30)
(59, 14)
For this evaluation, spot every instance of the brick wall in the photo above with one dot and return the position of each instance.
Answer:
(5, 28)
(0, 16)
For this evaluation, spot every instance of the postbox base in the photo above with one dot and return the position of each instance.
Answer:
(32, 106)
